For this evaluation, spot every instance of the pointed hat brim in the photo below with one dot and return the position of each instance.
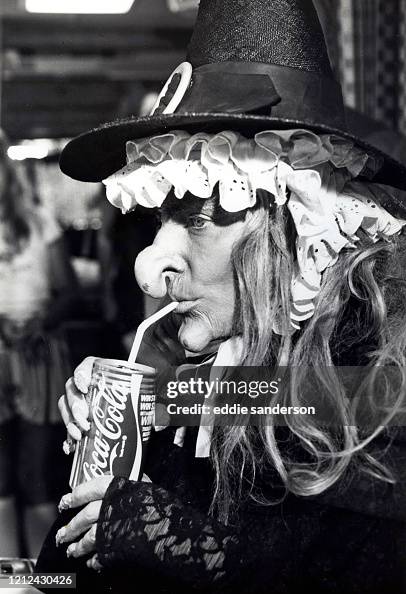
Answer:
(95, 155)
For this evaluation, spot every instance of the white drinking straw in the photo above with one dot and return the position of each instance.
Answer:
(146, 324)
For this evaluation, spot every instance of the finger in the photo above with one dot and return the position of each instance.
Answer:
(81, 523)
(83, 374)
(92, 490)
(73, 430)
(94, 563)
(77, 405)
(64, 410)
(85, 546)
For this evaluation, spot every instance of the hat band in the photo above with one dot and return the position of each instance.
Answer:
(234, 87)
(264, 89)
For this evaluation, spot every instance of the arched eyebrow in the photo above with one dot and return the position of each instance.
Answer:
(181, 210)
(175, 208)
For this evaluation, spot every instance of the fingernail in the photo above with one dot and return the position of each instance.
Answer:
(70, 550)
(65, 502)
(68, 446)
(60, 536)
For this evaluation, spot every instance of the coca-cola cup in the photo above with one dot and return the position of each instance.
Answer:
(121, 401)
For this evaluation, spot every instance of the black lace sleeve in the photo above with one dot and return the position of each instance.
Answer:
(145, 525)
(286, 548)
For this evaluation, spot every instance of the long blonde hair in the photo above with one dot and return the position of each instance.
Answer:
(357, 319)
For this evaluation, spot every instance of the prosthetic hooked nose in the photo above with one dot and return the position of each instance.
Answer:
(154, 270)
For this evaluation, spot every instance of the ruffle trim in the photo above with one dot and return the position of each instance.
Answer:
(196, 163)
(327, 206)
(327, 220)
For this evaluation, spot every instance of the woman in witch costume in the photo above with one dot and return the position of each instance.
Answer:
(281, 239)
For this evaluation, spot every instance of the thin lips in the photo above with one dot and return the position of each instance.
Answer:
(184, 305)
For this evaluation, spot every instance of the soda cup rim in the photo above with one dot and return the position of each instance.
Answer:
(122, 363)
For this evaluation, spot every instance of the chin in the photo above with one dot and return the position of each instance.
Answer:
(191, 340)
(195, 335)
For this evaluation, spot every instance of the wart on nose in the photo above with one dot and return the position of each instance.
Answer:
(152, 269)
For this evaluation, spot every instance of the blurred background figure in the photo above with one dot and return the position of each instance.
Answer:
(37, 292)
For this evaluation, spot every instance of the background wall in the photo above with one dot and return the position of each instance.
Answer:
(367, 46)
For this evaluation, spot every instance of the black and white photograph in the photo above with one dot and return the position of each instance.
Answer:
(203, 296)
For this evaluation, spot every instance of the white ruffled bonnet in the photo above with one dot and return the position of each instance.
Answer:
(312, 174)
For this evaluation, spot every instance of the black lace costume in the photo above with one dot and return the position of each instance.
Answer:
(351, 540)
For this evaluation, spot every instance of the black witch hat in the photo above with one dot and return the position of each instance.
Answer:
(253, 65)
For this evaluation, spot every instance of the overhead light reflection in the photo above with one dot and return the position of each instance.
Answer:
(79, 6)
(35, 149)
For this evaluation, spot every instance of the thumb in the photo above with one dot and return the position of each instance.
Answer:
(83, 374)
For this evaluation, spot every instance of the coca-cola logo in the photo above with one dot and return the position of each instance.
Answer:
(107, 407)
(108, 404)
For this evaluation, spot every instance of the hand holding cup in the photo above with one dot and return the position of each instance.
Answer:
(72, 405)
